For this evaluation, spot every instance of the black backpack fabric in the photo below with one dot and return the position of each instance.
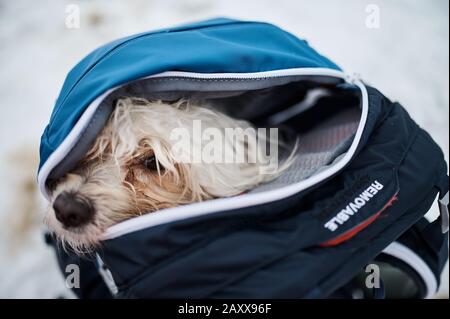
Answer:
(281, 249)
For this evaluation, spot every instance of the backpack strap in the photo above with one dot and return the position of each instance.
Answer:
(421, 252)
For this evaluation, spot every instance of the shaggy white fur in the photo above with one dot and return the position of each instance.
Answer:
(147, 158)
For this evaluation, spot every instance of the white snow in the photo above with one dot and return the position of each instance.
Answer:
(406, 58)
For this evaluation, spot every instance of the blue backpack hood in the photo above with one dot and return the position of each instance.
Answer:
(212, 46)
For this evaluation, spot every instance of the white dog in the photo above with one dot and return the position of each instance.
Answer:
(133, 168)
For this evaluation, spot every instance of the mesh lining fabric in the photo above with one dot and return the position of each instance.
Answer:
(318, 148)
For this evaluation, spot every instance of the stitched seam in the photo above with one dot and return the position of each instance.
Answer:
(211, 80)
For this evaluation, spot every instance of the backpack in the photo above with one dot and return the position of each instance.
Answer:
(351, 207)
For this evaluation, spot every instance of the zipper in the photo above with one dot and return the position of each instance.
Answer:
(221, 204)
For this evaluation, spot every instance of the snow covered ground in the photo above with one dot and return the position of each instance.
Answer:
(406, 58)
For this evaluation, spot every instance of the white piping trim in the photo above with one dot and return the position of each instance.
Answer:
(253, 75)
(405, 254)
(222, 204)
(58, 155)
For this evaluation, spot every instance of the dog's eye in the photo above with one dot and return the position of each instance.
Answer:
(151, 164)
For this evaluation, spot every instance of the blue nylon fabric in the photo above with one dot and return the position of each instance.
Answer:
(212, 46)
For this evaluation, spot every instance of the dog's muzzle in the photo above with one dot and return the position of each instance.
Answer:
(72, 210)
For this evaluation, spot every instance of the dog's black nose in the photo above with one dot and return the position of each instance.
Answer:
(71, 210)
